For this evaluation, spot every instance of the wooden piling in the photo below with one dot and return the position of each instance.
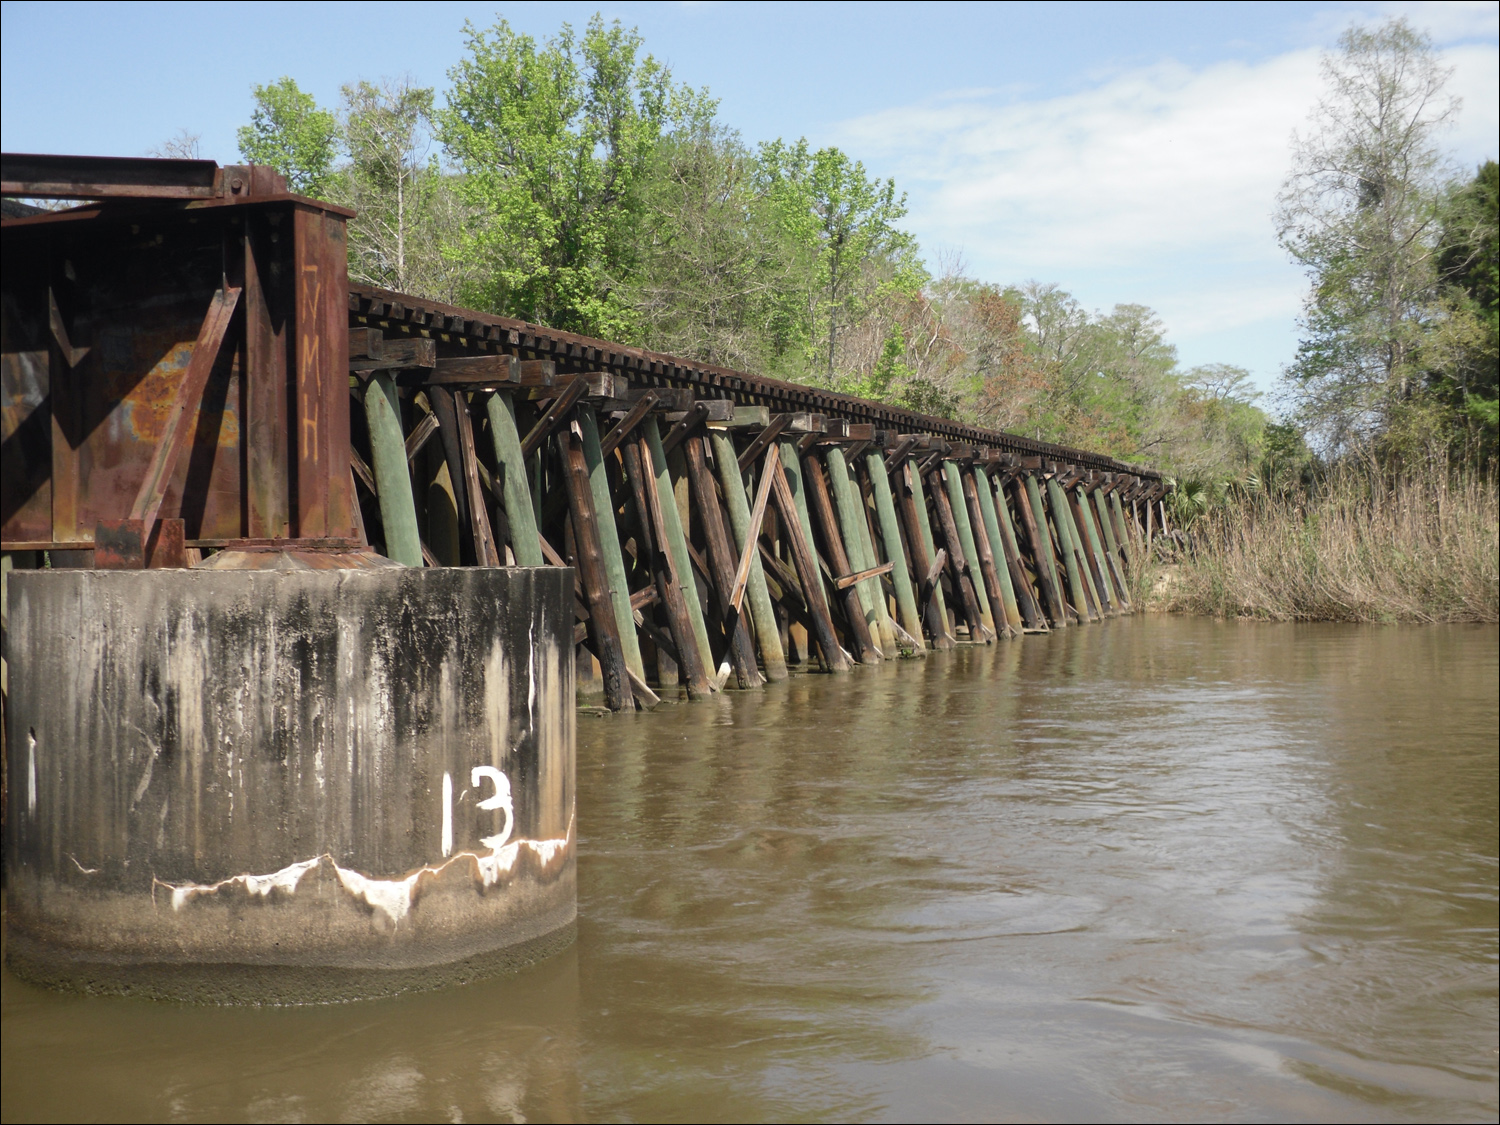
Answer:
(862, 497)
(762, 613)
(799, 542)
(919, 536)
(1026, 596)
(1101, 549)
(791, 469)
(609, 540)
(723, 561)
(515, 494)
(849, 505)
(1034, 520)
(989, 570)
(1071, 559)
(958, 561)
(485, 551)
(677, 546)
(866, 651)
(1094, 569)
(989, 522)
(1122, 528)
(890, 537)
(1091, 593)
(691, 666)
(441, 401)
(1112, 555)
(604, 628)
(959, 506)
(398, 509)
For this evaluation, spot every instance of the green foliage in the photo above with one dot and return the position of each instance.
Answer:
(1463, 367)
(290, 133)
(1398, 355)
(1286, 461)
(825, 203)
(574, 184)
(556, 141)
(719, 278)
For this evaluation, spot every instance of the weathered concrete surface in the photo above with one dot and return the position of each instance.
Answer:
(288, 786)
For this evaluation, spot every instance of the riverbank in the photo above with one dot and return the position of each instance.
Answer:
(1424, 550)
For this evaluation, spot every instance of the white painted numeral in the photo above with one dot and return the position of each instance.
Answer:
(500, 799)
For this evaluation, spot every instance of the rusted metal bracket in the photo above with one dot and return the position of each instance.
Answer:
(128, 542)
(126, 545)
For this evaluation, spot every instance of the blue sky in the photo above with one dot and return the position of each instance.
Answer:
(1128, 152)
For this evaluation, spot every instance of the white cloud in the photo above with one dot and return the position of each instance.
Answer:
(1450, 22)
(1153, 165)
(1159, 182)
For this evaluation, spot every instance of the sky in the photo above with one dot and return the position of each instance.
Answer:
(1130, 153)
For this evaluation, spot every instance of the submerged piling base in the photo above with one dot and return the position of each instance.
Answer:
(288, 787)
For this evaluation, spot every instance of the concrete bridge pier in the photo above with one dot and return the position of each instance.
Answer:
(288, 786)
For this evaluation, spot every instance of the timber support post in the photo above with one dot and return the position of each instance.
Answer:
(762, 614)
(1026, 597)
(924, 555)
(890, 536)
(398, 509)
(1066, 547)
(958, 507)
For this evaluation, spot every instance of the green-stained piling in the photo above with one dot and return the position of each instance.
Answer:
(515, 493)
(890, 538)
(398, 509)
(762, 613)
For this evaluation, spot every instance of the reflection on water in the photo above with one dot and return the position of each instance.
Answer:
(1158, 868)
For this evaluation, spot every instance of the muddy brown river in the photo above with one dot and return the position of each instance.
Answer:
(1158, 869)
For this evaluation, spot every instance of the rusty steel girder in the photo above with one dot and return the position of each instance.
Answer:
(174, 361)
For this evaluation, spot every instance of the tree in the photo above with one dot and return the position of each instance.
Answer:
(718, 279)
(828, 204)
(181, 146)
(408, 213)
(1223, 382)
(1469, 267)
(555, 141)
(1360, 210)
(290, 133)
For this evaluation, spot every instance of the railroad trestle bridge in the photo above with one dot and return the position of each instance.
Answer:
(302, 577)
(721, 525)
(724, 525)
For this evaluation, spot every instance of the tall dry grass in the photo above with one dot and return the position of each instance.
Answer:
(1426, 549)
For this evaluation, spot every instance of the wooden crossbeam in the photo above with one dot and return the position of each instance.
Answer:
(419, 435)
(897, 457)
(477, 371)
(362, 471)
(411, 351)
(859, 576)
